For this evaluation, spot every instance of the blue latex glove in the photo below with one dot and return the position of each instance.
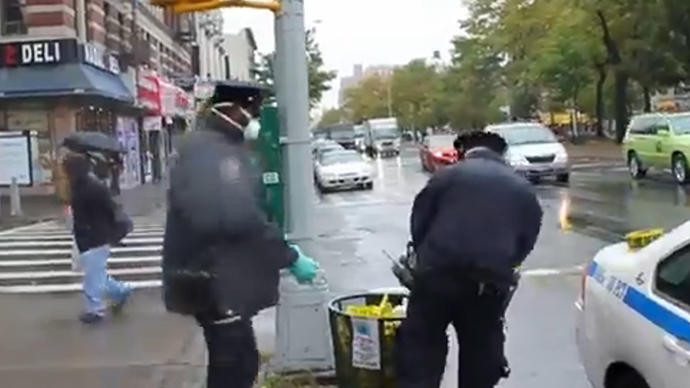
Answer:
(304, 268)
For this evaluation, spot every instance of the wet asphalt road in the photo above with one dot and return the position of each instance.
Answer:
(541, 319)
(600, 203)
(43, 343)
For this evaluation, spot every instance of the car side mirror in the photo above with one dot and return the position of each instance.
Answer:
(664, 132)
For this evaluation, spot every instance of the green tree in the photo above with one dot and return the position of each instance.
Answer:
(319, 78)
(368, 99)
(416, 94)
(332, 116)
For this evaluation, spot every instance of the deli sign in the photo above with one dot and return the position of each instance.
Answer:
(45, 52)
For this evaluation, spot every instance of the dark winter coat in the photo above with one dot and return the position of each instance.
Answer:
(220, 253)
(93, 208)
(477, 215)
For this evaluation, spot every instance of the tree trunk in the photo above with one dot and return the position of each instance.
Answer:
(601, 81)
(621, 103)
(647, 99)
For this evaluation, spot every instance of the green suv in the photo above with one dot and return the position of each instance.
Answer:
(660, 141)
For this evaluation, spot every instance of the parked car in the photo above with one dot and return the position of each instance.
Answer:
(344, 169)
(324, 146)
(436, 151)
(633, 320)
(660, 141)
(533, 150)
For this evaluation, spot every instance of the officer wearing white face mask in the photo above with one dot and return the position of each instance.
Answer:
(221, 256)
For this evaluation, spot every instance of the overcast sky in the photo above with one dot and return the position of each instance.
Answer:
(369, 32)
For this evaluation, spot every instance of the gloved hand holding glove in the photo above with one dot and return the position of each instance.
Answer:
(304, 268)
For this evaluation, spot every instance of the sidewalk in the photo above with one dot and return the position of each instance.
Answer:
(44, 345)
(595, 151)
(140, 200)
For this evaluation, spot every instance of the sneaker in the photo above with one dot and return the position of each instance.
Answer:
(118, 304)
(90, 318)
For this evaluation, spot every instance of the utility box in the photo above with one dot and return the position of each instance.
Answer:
(269, 155)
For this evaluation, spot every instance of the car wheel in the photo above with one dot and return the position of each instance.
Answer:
(629, 379)
(369, 186)
(635, 167)
(680, 168)
(563, 178)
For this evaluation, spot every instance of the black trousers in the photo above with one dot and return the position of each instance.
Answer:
(476, 312)
(233, 358)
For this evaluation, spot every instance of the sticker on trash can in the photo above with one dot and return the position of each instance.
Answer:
(366, 345)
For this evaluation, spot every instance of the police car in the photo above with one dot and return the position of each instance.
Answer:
(633, 328)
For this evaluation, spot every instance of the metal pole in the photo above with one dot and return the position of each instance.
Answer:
(15, 199)
(390, 100)
(292, 61)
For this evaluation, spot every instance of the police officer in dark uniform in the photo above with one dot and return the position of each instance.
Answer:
(221, 256)
(472, 225)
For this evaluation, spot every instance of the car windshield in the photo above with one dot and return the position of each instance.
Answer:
(386, 133)
(441, 141)
(526, 134)
(340, 157)
(680, 124)
(342, 135)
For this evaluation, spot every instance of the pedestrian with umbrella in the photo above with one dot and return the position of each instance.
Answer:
(98, 222)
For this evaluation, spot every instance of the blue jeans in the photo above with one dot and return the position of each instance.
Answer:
(97, 282)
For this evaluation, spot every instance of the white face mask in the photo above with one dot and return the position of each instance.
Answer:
(251, 130)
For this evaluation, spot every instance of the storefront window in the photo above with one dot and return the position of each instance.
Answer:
(36, 121)
(97, 119)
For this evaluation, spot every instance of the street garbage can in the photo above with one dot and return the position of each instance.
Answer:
(363, 328)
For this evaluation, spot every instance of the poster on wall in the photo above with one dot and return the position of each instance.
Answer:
(128, 138)
(15, 158)
(41, 175)
(133, 151)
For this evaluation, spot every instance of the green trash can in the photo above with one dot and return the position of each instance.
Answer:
(364, 346)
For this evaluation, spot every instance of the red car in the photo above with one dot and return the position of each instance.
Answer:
(437, 151)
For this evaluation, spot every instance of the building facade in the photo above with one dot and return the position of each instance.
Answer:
(359, 73)
(90, 65)
(240, 52)
(209, 43)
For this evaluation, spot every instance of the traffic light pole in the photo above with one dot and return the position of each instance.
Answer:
(292, 96)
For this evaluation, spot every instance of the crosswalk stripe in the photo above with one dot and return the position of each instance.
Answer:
(57, 274)
(57, 262)
(67, 242)
(53, 232)
(53, 252)
(69, 287)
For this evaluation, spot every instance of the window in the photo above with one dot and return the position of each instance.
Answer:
(13, 22)
(526, 134)
(644, 125)
(672, 279)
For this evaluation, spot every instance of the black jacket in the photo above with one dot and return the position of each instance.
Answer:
(219, 252)
(93, 208)
(476, 215)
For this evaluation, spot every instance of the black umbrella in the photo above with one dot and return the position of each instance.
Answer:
(92, 141)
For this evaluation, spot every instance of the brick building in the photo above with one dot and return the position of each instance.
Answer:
(69, 65)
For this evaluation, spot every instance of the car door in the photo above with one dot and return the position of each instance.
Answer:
(662, 143)
(667, 309)
(644, 139)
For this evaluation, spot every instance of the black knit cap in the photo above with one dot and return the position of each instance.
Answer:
(247, 94)
(474, 139)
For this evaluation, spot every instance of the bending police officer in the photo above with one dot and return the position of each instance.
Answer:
(471, 225)
(221, 257)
